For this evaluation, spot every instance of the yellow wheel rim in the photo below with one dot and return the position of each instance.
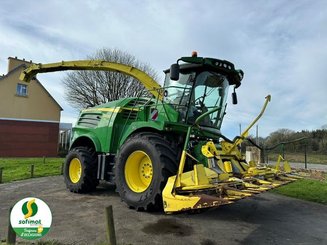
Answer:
(75, 170)
(138, 171)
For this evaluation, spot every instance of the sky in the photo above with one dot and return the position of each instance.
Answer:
(280, 45)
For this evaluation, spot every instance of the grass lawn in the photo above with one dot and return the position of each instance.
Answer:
(20, 168)
(298, 157)
(313, 190)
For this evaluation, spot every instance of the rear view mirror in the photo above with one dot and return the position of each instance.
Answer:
(234, 98)
(174, 72)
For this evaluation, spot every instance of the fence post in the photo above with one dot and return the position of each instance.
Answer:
(262, 155)
(1, 175)
(305, 155)
(11, 235)
(44, 160)
(267, 154)
(32, 171)
(111, 235)
(62, 168)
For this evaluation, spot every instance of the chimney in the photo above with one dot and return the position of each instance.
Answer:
(14, 62)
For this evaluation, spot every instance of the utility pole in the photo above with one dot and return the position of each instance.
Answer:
(240, 135)
(257, 134)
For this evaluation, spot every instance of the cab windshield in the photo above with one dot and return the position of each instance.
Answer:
(196, 93)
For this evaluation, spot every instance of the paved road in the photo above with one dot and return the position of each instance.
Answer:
(322, 167)
(313, 166)
(265, 219)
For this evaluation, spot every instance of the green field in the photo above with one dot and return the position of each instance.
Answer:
(20, 168)
(299, 157)
(313, 190)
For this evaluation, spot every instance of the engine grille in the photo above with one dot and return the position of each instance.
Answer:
(90, 120)
(129, 114)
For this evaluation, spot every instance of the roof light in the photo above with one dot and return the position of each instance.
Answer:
(194, 54)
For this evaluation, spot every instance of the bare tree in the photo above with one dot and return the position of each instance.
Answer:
(90, 88)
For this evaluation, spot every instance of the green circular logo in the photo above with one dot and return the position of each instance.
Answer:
(31, 218)
(29, 208)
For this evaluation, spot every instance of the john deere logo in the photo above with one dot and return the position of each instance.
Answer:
(31, 218)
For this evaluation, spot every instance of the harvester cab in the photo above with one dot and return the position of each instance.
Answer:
(165, 151)
(199, 85)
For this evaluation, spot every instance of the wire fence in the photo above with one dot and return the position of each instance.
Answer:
(295, 151)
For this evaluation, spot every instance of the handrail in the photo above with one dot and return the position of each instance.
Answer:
(199, 118)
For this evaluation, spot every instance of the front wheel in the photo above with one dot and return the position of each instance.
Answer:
(80, 170)
(144, 164)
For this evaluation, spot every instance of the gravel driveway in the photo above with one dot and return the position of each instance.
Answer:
(79, 219)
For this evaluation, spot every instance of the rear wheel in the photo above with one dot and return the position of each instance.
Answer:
(80, 170)
(143, 166)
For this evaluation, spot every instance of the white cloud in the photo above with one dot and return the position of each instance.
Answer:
(279, 44)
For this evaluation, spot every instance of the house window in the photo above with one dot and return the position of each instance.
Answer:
(21, 89)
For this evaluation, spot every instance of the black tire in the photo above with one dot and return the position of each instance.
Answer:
(164, 165)
(88, 177)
